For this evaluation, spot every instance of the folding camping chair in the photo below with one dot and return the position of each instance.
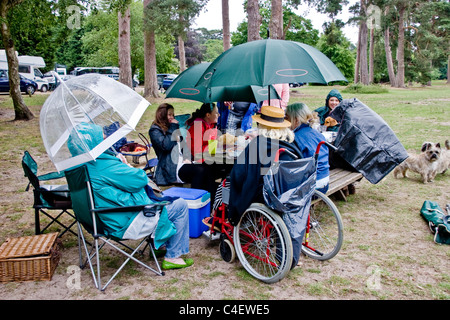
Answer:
(52, 201)
(88, 217)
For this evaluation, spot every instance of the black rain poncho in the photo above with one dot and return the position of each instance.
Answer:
(366, 141)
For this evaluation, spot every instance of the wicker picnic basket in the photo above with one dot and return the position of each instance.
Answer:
(29, 258)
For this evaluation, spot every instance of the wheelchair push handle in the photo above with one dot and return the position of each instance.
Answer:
(277, 156)
(329, 145)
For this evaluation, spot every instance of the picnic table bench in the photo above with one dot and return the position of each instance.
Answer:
(340, 180)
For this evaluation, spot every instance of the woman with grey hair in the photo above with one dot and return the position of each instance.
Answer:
(307, 139)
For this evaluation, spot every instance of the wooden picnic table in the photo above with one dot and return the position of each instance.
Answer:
(340, 180)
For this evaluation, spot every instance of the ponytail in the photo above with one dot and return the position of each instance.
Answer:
(200, 113)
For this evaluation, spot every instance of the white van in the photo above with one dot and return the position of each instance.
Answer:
(29, 68)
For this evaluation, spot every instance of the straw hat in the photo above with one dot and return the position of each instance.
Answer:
(272, 117)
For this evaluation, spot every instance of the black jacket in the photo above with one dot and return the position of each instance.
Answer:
(246, 177)
(165, 146)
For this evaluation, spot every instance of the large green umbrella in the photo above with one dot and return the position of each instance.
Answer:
(270, 61)
(184, 87)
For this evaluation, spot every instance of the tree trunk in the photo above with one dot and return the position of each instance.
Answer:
(181, 53)
(364, 73)
(371, 56)
(356, 78)
(363, 55)
(401, 48)
(21, 111)
(226, 25)
(389, 62)
(151, 83)
(448, 69)
(254, 20)
(125, 76)
(276, 20)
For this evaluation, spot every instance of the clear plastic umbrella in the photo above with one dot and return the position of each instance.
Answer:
(93, 99)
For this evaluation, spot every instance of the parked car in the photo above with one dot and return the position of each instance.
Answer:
(26, 85)
(52, 79)
(296, 84)
(160, 78)
(168, 81)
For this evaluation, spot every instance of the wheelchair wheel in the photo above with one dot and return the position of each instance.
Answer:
(326, 230)
(227, 251)
(263, 244)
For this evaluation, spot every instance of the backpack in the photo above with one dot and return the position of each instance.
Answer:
(438, 221)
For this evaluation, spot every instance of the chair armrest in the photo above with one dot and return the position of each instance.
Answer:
(51, 176)
(131, 208)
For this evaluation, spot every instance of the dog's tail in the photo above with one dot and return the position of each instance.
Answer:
(447, 144)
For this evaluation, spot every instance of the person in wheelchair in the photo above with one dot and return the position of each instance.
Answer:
(246, 177)
(308, 139)
(115, 183)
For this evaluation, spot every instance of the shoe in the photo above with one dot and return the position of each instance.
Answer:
(209, 220)
(159, 253)
(169, 265)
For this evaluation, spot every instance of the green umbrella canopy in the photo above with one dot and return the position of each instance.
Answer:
(184, 87)
(270, 61)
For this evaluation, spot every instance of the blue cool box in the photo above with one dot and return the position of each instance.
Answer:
(199, 207)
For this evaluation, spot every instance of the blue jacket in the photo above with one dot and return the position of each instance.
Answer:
(307, 140)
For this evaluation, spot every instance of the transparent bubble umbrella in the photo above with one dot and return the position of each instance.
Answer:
(92, 99)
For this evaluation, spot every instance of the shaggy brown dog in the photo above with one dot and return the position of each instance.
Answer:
(425, 163)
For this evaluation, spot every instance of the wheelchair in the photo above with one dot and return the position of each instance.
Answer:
(262, 242)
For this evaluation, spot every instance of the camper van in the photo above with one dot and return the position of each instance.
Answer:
(28, 68)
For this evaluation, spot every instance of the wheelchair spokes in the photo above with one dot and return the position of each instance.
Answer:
(324, 231)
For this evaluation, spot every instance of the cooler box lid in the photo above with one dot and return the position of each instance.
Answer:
(196, 198)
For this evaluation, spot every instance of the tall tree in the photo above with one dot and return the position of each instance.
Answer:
(362, 46)
(151, 82)
(125, 75)
(226, 25)
(276, 20)
(20, 109)
(254, 20)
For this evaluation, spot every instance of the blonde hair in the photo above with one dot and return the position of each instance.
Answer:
(300, 112)
(284, 134)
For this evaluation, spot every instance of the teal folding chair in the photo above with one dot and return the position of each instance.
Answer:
(52, 201)
(87, 215)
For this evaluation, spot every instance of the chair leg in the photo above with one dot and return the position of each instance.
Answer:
(37, 223)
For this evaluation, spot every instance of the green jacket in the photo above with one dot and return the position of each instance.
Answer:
(324, 112)
(113, 182)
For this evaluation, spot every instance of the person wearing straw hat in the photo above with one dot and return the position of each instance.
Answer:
(246, 177)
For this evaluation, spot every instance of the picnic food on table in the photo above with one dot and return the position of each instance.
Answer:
(227, 139)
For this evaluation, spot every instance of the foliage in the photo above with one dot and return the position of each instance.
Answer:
(193, 51)
(370, 89)
(338, 48)
(298, 28)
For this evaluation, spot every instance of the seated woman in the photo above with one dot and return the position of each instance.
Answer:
(308, 139)
(332, 100)
(247, 176)
(164, 141)
(115, 183)
(201, 130)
